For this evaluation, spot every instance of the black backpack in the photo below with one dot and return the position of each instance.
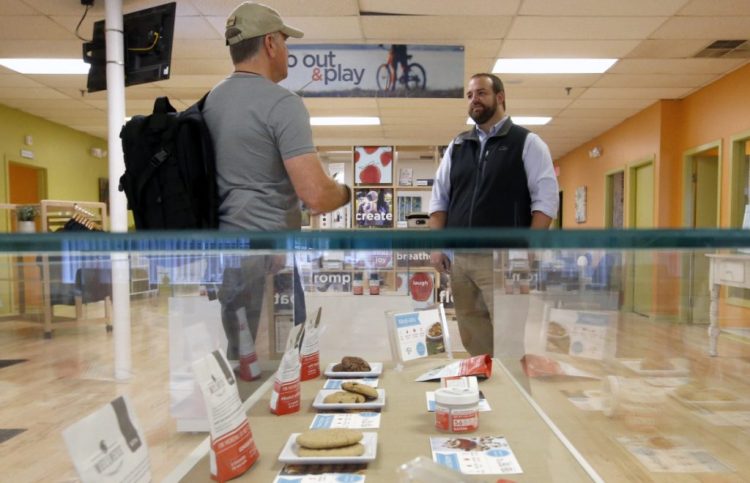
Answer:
(170, 170)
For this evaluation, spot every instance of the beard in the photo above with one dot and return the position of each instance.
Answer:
(485, 114)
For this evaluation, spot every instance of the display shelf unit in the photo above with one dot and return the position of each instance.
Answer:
(54, 214)
(402, 194)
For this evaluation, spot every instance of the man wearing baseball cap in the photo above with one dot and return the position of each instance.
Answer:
(265, 158)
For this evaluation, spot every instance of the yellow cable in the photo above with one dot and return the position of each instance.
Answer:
(150, 47)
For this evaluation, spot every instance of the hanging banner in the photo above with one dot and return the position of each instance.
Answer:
(397, 70)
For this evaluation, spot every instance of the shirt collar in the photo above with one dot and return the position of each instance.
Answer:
(494, 129)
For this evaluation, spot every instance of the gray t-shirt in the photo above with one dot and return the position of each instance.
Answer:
(255, 125)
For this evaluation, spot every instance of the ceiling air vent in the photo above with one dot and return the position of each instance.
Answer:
(727, 49)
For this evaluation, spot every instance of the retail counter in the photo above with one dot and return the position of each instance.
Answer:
(406, 427)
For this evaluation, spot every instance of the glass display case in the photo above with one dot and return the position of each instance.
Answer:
(615, 355)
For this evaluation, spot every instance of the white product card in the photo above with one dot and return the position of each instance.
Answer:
(671, 454)
(346, 420)
(483, 405)
(322, 478)
(420, 334)
(336, 383)
(109, 446)
(485, 455)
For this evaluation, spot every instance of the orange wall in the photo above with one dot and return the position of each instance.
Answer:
(634, 139)
(664, 130)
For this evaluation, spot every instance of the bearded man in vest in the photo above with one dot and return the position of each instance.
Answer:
(496, 175)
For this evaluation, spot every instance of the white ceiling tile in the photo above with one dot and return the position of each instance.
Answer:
(12, 79)
(675, 66)
(331, 28)
(710, 28)
(41, 48)
(512, 81)
(591, 8)
(620, 113)
(287, 8)
(597, 48)
(715, 7)
(199, 49)
(194, 28)
(221, 65)
(482, 48)
(635, 93)
(668, 48)
(518, 105)
(447, 29)
(29, 93)
(441, 7)
(30, 28)
(15, 7)
(655, 80)
(64, 7)
(611, 104)
(581, 28)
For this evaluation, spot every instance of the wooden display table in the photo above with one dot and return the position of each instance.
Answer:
(406, 426)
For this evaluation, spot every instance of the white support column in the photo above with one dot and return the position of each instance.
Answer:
(117, 203)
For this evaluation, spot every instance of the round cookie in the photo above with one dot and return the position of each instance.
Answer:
(352, 450)
(367, 391)
(344, 397)
(328, 438)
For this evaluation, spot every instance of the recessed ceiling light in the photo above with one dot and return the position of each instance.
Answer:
(345, 121)
(552, 66)
(523, 120)
(46, 66)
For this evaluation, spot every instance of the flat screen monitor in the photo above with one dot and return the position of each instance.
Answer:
(147, 36)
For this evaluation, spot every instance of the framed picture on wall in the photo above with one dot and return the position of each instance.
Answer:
(373, 165)
(581, 204)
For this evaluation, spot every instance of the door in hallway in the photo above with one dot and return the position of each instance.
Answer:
(642, 217)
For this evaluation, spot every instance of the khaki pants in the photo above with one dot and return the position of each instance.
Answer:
(472, 285)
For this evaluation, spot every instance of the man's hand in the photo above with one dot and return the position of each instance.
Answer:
(441, 262)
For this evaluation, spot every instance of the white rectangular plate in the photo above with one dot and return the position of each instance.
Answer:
(376, 368)
(373, 404)
(289, 452)
(681, 367)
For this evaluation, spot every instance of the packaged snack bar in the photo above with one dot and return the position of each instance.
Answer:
(108, 445)
(233, 449)
(310, 349)
(285, 398)
(479, 366)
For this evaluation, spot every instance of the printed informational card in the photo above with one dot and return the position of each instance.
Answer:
(346, 420)
(109, 445)
(336, 383)
(415, 335)
(483, 405)
(486, 455)
(333, 473)
(672, 454)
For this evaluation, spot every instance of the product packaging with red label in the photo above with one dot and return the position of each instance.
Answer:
(285, 398)
(233, 449)
(310, 349)
(249, 367)
(479, 366)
